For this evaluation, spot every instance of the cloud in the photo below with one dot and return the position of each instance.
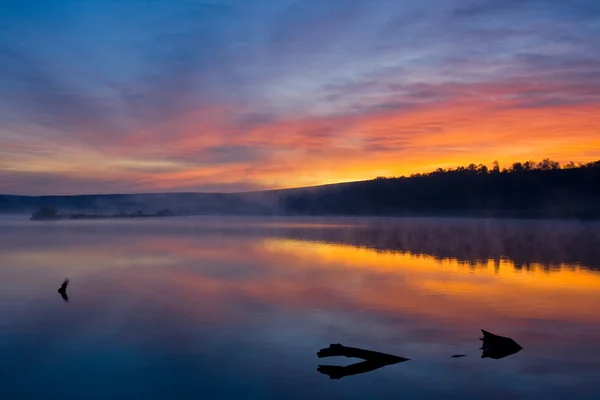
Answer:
(221, 155)
(36, 183)
(41, 94)
(199, 94)
(578, 8)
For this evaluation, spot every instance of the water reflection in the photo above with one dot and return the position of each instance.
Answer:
(248, 303)
(571, 292)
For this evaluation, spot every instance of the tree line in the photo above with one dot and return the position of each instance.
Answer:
(517, 167)
(544, 189)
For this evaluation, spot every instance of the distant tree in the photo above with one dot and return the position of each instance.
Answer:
(165, 213)
(529, 165)
(517, 167)
(594, 164)
(546, 164)
(495, 167)
(45, 212)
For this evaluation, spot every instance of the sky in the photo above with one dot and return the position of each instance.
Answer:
(235, 95)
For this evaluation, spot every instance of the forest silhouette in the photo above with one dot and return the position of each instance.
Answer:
(531, 189)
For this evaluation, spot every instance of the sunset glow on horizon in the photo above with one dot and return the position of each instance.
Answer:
(227, 96)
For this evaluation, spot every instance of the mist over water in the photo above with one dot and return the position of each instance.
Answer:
(206, 307)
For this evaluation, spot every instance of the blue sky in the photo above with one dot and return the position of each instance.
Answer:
(223, 95)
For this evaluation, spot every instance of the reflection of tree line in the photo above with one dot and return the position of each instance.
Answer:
(529, 189)
(473, 241)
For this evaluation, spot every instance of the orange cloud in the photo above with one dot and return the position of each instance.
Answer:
(457, 125)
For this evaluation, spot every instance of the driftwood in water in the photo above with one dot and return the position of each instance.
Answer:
(373, 361)
(340, 350)
(496, 347)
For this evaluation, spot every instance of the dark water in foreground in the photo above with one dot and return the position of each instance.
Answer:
(206, 308)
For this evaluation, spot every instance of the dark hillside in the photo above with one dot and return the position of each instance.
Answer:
(524, 190)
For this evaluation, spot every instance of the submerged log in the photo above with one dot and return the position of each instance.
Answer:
(496, 347)
(337, 349)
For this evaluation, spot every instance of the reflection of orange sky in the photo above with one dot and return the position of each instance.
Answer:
(411, 280)
(313, 276)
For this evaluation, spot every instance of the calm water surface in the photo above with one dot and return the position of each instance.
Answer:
(197, 308)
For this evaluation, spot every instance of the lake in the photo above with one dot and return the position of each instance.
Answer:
(237, 308)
